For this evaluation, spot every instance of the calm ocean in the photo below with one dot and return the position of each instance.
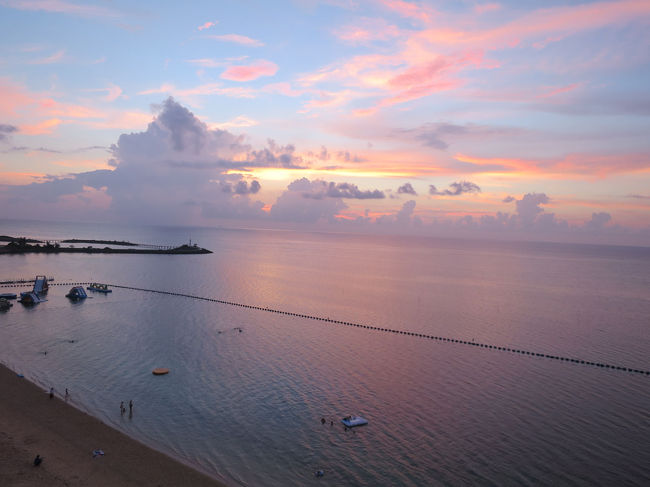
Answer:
(246, 407)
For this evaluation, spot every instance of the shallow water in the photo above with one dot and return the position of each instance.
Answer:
(246, 406)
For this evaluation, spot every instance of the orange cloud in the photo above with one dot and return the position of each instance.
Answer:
(250, 72)
(54, 108)
(19, 178)
(84, 165)
(566, 167)
(45, 127)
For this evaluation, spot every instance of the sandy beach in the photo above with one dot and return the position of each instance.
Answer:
(31, 423)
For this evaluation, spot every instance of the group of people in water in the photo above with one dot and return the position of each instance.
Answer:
(123, 408)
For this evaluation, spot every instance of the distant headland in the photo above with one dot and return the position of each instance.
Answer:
(22, 245)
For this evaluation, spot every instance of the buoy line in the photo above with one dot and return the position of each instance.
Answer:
(374, 328)
(398, 332)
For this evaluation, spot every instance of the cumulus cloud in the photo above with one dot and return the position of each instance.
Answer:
(320, 189)
(403, 218)
(455, 189)
(406, 189)
(348, 157)
(292, 205)
(598, 220)
(275, 155)
(529, 206)
(172, 172)
(5, 130)
(508, 199)
(241, 187)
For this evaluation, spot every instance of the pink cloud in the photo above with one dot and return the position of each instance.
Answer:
(164, 88)
(408, 9)
(54, 58)
(207, 25)
(201, 90)
(552, 24)
(424, 79)
(250, 72)
(45, 127)
(282, 88)
(368, 30)
(207, 63)
(487, 7)
(238, 39)
(330, 99)
(59, 6)
(558, 90)
(113, 92)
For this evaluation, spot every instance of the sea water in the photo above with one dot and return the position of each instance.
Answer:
(246, 406)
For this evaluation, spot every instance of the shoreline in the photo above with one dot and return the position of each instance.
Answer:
(31, 423)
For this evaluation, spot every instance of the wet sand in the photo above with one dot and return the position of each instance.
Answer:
(31, 423)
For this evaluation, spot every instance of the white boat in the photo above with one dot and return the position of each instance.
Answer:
(352, 421)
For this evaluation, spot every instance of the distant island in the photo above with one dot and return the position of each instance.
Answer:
(21, 245)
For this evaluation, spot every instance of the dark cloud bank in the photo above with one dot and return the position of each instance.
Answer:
(176, 172)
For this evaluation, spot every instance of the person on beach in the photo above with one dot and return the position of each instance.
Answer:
(67, 394)
(131, 407)
(38, 460)
(51, 392)
(122, 408)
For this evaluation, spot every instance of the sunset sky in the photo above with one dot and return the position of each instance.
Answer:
(523, 119)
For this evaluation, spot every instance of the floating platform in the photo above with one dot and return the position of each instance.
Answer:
(100, 288)
(352, 421)
(160, 371)
(30, 298)
(76, 293)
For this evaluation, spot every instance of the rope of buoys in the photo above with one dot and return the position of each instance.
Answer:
(367, 327)
(400, 332)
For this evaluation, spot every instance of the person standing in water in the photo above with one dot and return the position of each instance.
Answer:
(131, 407)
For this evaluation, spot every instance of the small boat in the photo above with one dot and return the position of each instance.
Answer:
(29, 298)
(352, 421)
(160, 371)
(77, 292)
(7, 296)
(101, 288)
